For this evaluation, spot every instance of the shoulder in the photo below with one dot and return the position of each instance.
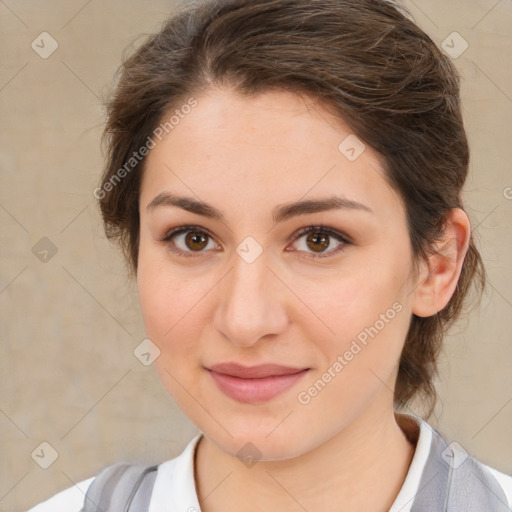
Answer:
(68, 500)
(462, 475)
(470, 475)
(489, 476)
(174, 481)
(504, 481)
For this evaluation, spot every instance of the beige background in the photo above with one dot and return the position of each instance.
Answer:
(69, 325)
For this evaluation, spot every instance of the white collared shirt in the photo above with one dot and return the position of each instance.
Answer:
(174, 487)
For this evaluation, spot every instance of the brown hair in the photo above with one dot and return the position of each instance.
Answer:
(370, 64)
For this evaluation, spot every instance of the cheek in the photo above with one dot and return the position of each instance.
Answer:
(362, 316)
(345, 306)
(174, 317)
(164, 296)
(167, 307)
(360, 358)
(156, 301)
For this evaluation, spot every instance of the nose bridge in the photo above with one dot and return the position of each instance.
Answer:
(249, 306)
(248, 278)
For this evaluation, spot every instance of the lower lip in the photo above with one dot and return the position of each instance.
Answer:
(252, 391)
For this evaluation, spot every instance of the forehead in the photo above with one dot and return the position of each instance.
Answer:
(272, 147)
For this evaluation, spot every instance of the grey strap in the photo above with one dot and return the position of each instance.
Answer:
(453, 481)
(121, 487)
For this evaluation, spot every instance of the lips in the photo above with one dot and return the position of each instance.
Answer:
(254, 384)
(254, 372)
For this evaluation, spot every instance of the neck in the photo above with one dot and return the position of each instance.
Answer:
(371, 453)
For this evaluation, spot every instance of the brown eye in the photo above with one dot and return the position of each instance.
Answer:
(195, 240)
(319, 239)
(318, 242)
(187, 240)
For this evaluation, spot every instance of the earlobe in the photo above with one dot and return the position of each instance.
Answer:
(438, 277)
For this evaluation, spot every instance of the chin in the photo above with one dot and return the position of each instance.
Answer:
(249, 443)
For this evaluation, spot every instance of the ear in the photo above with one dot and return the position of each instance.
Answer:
(439, 276)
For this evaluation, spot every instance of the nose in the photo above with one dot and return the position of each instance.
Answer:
(251, 302)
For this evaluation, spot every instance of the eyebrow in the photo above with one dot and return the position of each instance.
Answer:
(279, 214)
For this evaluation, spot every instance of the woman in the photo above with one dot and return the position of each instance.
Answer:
(285, 180)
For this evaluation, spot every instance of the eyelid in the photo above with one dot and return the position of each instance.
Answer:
(323, 229)
(183, 229)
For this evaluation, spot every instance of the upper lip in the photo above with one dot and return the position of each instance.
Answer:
(254, 372)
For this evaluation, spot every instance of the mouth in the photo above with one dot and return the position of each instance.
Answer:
(255, 384)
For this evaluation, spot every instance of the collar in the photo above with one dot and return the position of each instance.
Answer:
(174, 487)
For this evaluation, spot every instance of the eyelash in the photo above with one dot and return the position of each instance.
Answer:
(318, 229)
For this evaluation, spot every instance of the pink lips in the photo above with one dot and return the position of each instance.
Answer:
(255, 383)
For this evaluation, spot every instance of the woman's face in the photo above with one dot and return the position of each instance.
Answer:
(244, 285)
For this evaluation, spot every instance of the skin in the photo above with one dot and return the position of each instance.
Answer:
(245, 156)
